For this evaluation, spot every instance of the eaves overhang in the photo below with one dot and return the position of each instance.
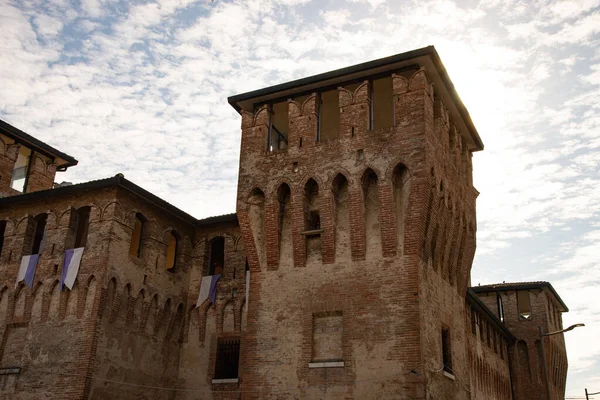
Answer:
(62, 160)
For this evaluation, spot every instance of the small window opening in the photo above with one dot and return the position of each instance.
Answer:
(135, 247)
(40, 234)
(21, 170)
(228, 356)
(278, 127)
(382, 103)
(361, 154)
(295, 167)
(523, 304)
(329, 115)
(311, 212)
(2, 230)
(473, 323)
(500, 308)
(81, 231)
(446, 350)
(172, 252)
(217, 256)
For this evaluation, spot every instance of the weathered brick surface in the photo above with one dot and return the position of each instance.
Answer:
(373, 288)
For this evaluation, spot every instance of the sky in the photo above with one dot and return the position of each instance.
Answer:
(141, 87)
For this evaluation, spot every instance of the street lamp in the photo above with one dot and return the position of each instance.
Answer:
(587, 395)
(544, 352)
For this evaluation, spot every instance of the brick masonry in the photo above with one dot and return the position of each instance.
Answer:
(372, 288)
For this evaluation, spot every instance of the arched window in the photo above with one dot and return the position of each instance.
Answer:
(311, 206)
(135, 247)
(172, 252)
(39, 233)
(217, 256)
(81, 229)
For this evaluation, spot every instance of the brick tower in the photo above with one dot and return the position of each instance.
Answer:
(357, 210)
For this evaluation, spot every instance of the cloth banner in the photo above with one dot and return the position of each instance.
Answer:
(247, 288)
(70, 267)
(208, 288)
(27, 270)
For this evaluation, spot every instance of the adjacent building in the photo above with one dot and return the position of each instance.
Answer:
(343, 274)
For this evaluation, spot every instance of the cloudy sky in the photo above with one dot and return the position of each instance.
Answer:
(140, 87)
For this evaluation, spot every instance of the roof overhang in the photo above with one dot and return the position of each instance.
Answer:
(426, 57)
(62, 160)
(503, 287)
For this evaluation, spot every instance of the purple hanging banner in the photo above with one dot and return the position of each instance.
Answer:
(65, 268)
(213, 288)
(30, 274)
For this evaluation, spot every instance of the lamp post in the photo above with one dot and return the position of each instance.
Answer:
(544, 352)
(587, 395)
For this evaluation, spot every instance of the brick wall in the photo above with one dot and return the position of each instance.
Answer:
(399, 184)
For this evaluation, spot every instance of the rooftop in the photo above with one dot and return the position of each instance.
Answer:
(425, 57)
(494, 287)
(62, 160)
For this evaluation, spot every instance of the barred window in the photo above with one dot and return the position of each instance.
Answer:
(228, 357)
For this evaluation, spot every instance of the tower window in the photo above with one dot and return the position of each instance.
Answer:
(217, 256)
(172, 252)
(81, 231)
(21, 170)
(135, 247)
(500, 308)
(382, 103)
(446, 350)
(40, 234)
(228, 356)
(523, 304)
(278, 127)
(329, 115)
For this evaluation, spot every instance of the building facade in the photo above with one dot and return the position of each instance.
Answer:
(344, 273)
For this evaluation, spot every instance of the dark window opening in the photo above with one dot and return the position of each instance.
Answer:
(329, 115)
(228, 356)
(382, 103)
(311, 206)
(40, 234)
(446, 350)
(217, 256)
(172, 252)
(278, 127)
(523, 304)
(81, 231)
(2, 230)
(135, 247)
(473, 323)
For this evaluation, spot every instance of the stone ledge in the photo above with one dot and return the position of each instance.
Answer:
(328, 364)
(449, 375)
(230, 380)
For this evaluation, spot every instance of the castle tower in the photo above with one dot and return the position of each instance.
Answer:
(357, 210)
(526, 308)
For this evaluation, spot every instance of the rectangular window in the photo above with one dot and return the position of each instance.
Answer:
(279, 126)
(473, 322)
(327, 337)
(446, 350)
(20, 170)
(329, 115)
(228, 356)
(39, 235)
(523, 304)
(135, 247)
(500, 308)
(83, 222)
(382, 103)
